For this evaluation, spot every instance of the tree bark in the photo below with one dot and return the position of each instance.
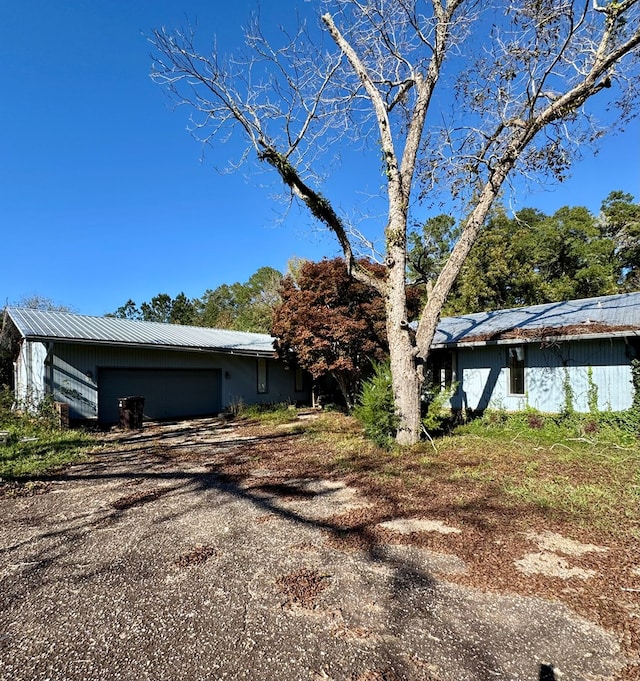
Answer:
(406, 375)
(407, 384)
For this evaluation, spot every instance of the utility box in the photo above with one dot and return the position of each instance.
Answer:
(131, 412)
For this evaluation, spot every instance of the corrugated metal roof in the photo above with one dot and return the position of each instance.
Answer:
(605, 315)
(45, 325)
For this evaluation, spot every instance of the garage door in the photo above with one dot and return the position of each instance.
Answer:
(168, 393)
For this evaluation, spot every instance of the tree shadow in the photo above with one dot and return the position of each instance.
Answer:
(547, 673)
(413, 589)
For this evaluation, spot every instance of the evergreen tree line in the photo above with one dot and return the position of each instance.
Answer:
(534, 258)
(240, 306)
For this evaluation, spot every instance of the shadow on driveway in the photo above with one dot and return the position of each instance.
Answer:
(152, 561)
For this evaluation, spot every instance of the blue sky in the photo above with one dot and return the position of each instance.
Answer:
(103, 193)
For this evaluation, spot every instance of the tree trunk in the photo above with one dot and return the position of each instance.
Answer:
(407, 384)
(405, 372)
(344, 386)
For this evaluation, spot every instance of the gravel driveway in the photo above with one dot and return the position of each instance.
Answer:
(140, 565)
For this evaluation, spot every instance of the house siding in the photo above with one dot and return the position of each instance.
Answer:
(29, 372)
(483, 378)
(73, 373)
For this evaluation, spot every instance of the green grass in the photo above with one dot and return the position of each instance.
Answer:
(574, 467)
(536, 468)
(272, 414)
(36, 447)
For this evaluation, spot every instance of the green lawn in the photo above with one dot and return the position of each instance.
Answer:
(34, 447)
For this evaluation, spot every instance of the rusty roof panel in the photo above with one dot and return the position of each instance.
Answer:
(586, 317)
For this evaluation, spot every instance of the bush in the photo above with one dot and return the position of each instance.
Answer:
(436, 418)
(375, 408)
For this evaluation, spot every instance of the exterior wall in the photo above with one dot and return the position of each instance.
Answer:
(483, 376)
(72, 373)
(29, 373)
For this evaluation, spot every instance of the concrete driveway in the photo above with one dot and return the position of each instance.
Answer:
(139, 565)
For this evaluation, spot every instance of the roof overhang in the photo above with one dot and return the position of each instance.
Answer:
(543, 340)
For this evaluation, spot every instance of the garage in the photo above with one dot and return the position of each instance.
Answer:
(168, 393)
(89, 363)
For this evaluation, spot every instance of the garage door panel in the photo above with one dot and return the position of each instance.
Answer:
(168, 393)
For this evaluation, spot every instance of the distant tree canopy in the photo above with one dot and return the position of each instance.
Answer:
(38, 302)
(621, 218)
(161, 308)
(242, 307)
(534, 258)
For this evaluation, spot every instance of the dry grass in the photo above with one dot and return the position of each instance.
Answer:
(497, 491)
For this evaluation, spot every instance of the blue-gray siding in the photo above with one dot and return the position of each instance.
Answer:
(603, 365)
(72, 373)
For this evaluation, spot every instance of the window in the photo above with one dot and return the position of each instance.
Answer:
(299, 379)
(515, 361)
(441, 369)
(262, 375)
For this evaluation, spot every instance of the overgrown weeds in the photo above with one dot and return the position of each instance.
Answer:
(273, 413)
(34, 444)
(535, 466)
(614, 429)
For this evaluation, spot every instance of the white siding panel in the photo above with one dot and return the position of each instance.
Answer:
(29, 374)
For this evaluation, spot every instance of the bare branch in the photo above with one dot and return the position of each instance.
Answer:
(515, 81)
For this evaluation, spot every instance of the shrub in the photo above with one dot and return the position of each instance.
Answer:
(535, 421)
(375, 409)
(436, 415)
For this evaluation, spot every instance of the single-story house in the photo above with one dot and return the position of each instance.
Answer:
(89, 363)
(541, 356)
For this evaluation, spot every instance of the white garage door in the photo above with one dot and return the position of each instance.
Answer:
(168, 393)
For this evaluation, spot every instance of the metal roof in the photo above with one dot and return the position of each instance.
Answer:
(603, 316)
(64, 326)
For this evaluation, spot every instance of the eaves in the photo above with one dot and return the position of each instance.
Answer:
(550, 340)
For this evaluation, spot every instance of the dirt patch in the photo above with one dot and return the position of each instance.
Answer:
(547, 562)
(302, 588)
(409, 525)
(552, 541)
(551, 565)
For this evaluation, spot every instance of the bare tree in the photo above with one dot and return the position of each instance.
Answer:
(517, 77)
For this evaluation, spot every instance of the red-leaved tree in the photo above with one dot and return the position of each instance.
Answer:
(330, 324)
